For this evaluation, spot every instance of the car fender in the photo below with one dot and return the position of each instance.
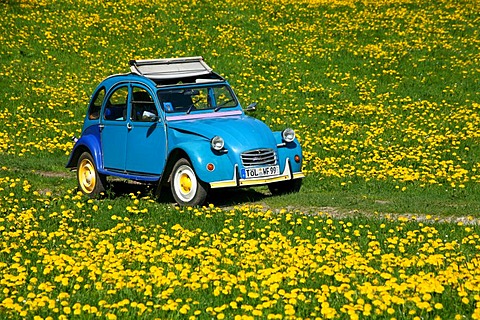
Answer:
(289, 150)
(200, 155)
(89, 141)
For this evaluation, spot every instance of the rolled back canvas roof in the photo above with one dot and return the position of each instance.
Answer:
(158, 69)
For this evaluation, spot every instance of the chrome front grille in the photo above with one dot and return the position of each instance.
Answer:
(259, 157)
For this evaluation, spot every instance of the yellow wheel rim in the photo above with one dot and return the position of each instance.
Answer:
(87, 176)
(185, 183)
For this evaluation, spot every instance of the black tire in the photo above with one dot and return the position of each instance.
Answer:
(163, 193)
(285, 187)
(187, 189)
(90, 182)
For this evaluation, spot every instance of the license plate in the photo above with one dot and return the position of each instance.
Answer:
(260, 172)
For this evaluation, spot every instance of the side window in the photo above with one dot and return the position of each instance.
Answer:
(143, 107)
(96, 105)
(116, 108)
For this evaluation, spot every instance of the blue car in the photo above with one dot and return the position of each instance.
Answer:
(177, 124)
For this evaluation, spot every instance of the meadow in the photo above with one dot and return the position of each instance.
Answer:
(384, 97)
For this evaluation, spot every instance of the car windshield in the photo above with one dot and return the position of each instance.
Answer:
(188, 100)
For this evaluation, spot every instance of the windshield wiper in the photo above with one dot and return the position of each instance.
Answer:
(221, 105)
(192, 106)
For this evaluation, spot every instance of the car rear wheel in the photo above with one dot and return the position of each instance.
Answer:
(90, 182)
(284, 187)
(187, 189)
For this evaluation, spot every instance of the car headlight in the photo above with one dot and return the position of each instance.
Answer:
(217, 143)
(288, 135)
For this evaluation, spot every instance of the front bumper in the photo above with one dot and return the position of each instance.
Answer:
(287, 174)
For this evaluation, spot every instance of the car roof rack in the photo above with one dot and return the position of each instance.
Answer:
(174, 68)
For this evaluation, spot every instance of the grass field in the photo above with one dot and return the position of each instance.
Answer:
(384, 97)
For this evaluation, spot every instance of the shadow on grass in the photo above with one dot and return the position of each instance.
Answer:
(235, 196)
(120, 188)
(218, 197)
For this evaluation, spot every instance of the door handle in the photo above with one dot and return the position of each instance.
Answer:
(129, 126)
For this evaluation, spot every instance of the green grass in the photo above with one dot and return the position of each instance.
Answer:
(383, 97)
(129, 256)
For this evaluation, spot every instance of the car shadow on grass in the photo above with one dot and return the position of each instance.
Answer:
(218, 197)
(120, 188)
(236, 196)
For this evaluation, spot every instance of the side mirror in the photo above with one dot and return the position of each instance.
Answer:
(252, 107)
(149, 116)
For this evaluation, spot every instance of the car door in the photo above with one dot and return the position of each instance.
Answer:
(146, 137)
(114, 129)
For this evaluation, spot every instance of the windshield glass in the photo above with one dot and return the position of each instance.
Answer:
(197, 98)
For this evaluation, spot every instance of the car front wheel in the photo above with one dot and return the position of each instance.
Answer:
(90, 182)
(187, 189)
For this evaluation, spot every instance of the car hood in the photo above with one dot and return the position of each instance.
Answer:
(239, 132)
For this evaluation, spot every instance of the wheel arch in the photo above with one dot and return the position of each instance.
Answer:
(173, 157)
(73, 161)
(88, 144)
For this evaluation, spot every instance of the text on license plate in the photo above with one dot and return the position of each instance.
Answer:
(260, 172)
